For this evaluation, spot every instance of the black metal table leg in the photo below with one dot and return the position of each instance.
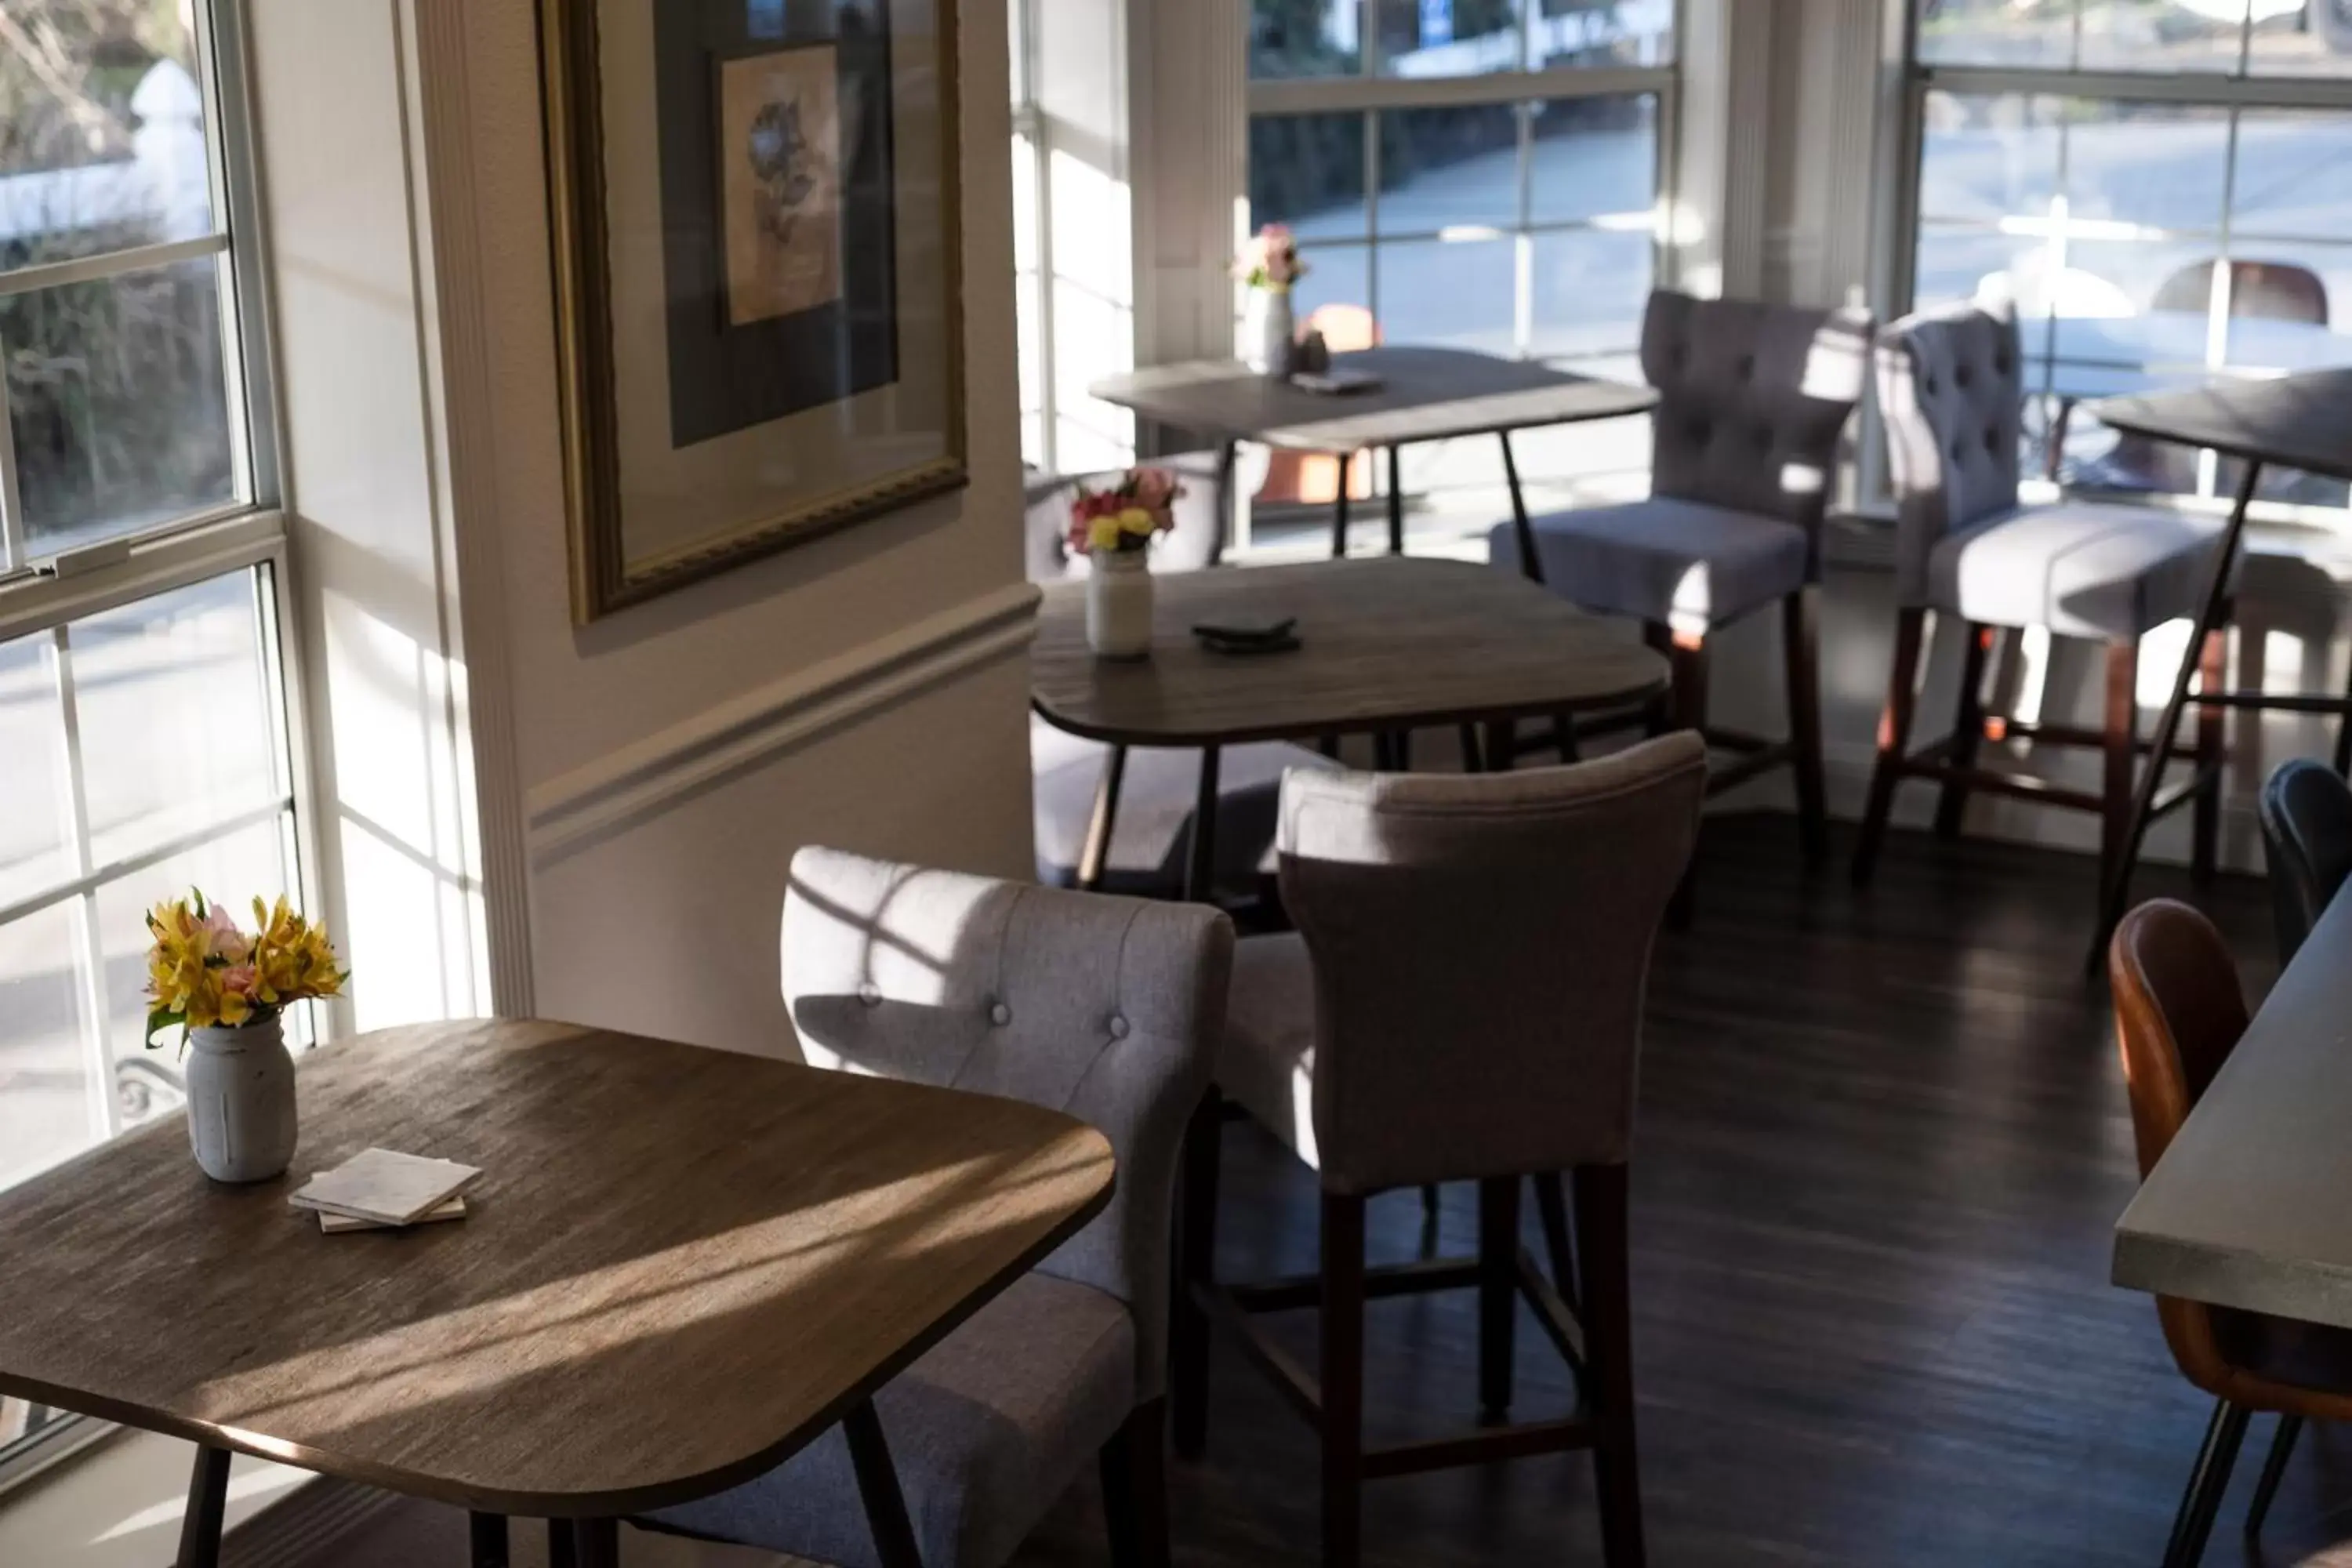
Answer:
(1095, 857)
(200, 1526)
(562, 1544)
(488, 1532)
(1228, 503)
(877, 1485)
(2217, 593)
(1396, 502)
(1200, 864)
(1339, 507)
(598, 1543)
(1530, 563)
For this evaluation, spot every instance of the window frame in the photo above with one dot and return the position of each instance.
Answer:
(44, 595)
(2233, 93)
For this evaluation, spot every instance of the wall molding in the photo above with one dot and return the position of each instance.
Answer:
(650, 776)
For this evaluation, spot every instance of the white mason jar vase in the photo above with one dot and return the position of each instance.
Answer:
(1269, 332)
(1118, 603)
(241, 1101)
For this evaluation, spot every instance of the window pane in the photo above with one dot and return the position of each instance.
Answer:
(2295, 38)
(2149, 165)
(1592, 156)
(2295, 174)
(1308, 171)
(1305, 37)
(2038, 33)
(33, 853)
(1590, 287)
(117, 401)
(2162, 34)
(1989, 159)
(1457, 294)
(235, 871)
(1442, 168)
(1335, 296)
(47, 1108)
(102, 147)
(1602, 33)
(1955, 262)
(1448, 38)
(178, 730)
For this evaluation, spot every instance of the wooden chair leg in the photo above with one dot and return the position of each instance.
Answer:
(2290, 1427)
(1894, 736)
(2212, 675)
(1196, 1252)
(1605, 1259)
(1135, 1488)
(1801, 656)
(2207, 1482)
(2119, 733)
(1687, 712)
(1498, 1284)
(1968, 729)
(1343, 1379)
(1551, 1204)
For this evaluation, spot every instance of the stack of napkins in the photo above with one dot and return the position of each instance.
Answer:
(377, 1188)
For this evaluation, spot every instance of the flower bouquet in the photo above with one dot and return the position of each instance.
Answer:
(226, 989)
(1113, 529)
(1269, 264)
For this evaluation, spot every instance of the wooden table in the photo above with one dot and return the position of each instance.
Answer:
(2295, 422)
(1425, 394)
(682, 1266)
(2248, 1207)
(1393, 644)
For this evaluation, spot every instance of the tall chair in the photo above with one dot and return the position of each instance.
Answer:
(2306, 813)
(1461, 1000)
(1950, 382)
(1752, 400)
(1151, 827)
(1106, 1008)
(2178, 1014)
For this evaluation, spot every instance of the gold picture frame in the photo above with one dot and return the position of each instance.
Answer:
(615, 561)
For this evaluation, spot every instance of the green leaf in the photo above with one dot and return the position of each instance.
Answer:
(159, 1019)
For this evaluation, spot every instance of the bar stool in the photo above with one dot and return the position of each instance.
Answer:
(1461, 1000)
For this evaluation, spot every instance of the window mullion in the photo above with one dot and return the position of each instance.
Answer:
(14, 552)
(89, 951)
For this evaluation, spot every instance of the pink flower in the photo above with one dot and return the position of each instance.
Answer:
(1155, 488)
(239, 978)
(227, 942)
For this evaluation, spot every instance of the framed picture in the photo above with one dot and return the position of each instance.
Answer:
(758, 310)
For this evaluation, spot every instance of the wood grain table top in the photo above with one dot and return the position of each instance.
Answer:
(2252, 1204)
(1390, 643)
(679, 1266)
(1425, 394)
(2296, 420)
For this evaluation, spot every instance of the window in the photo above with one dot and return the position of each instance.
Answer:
(144, 744)
(2161, 190)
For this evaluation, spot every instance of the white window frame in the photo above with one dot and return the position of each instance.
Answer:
(43, 597)
(2229, 92)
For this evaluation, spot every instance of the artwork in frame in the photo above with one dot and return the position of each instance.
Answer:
(758, 307)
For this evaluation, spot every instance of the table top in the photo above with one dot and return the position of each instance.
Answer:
(2106, 356)
(2295, 421)
(1425, 394)
(2249, 1207)
(680, 1266)
(1392, 643)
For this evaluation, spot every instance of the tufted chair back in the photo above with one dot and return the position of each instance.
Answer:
(1751, 401)
(1108, 1009)
(2307, 816)
(1480, 947)
(1951, 385)
(1188, 546)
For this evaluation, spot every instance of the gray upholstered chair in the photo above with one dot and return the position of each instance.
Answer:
(1152, 830)
(1106, 1008)
(1752, 400)
(1461, 1000)
(1950, 385)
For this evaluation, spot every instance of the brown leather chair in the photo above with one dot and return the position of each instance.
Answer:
(2178, 1014)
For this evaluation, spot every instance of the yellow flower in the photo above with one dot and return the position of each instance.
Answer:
(1103, 534)
(1136, 521)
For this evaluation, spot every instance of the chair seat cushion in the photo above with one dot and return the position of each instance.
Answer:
(2080, 568)
(1267, 1061)
(1152, 833)
(985, 1431)
(1687, 565)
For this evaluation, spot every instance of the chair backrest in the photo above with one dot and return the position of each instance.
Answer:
(1481, 944)
(2273, 290)
(1345, 328)
(2307, 812)
(1106, 1008)
(1192, 543)
(1951, 384)
(1751, 401)
(2178, 1015)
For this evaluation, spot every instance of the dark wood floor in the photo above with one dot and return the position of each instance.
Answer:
(1883, 1141)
